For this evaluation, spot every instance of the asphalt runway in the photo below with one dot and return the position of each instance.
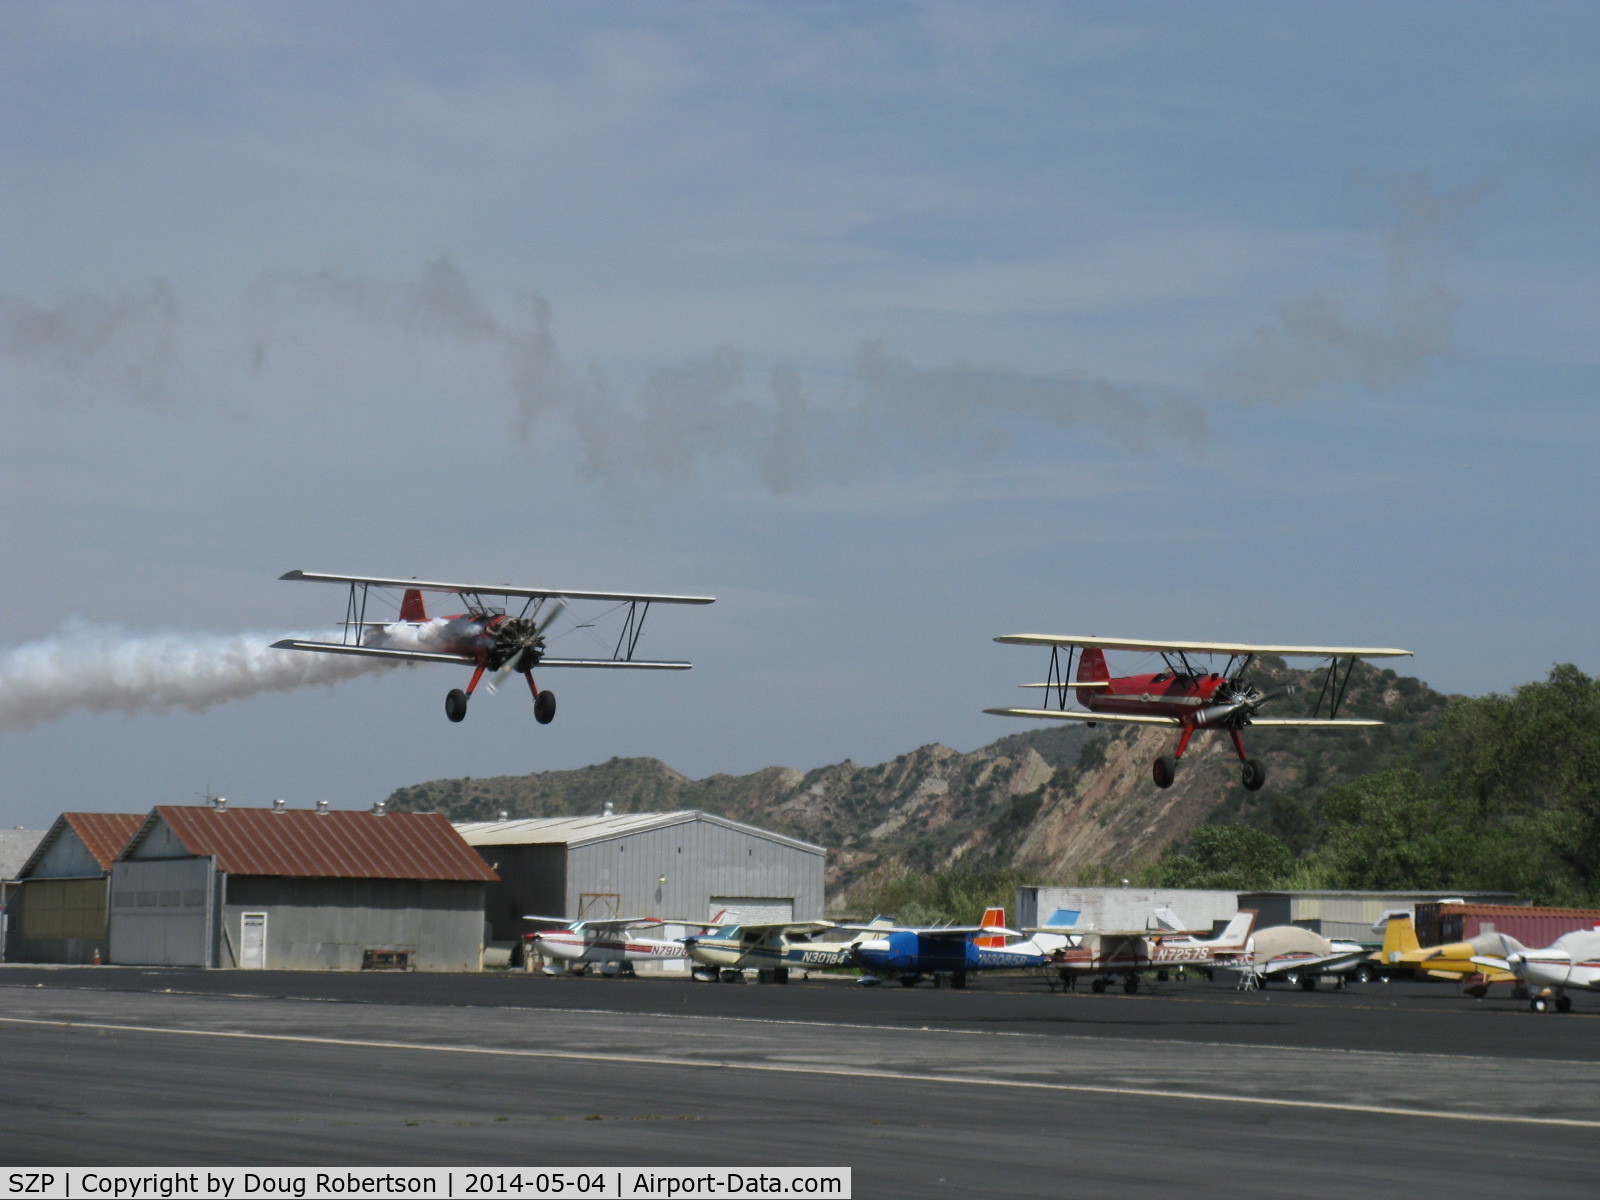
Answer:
(1001, 1089)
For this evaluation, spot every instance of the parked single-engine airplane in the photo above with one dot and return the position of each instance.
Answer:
(1571, 961)
(1294, 955)
(1183, 695)
(1107, 955)
(485, 637)
(1476, 963)
(728, 950)
(574, 946)
(909, 954)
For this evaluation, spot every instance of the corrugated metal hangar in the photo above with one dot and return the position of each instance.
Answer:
(58, 911)
(689, 864)
(297, 889)
(1349, 914)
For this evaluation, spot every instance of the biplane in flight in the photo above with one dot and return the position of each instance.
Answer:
(486, 636)
(1184, 695)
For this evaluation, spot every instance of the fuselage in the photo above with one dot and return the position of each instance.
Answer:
(1571, 961)
(578, 946)
(729, 951)
(473, 636)
(908, 952)
(1165, 694)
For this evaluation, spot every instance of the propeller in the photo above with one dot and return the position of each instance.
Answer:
(521, 640)
(1236, 703)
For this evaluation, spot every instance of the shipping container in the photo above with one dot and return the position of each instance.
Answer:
(1443, 924)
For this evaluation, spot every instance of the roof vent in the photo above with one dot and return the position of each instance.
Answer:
(219, 803)
(504, 815)
(277, 805)
(380, 806)
(322, 806)
(606, 811)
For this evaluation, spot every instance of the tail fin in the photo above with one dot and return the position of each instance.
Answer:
(1238, 929)
(1399, 935)
(1092, 666)
(411, 608)
(992, 917)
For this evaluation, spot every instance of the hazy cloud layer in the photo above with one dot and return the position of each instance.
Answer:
(1325, 340)
(148, 347)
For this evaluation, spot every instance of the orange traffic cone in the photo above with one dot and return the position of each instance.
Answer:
(97, 956)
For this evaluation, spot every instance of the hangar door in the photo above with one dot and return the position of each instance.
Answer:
(161, 912)
(752, 910)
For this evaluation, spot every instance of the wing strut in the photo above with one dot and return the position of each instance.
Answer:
(1333, 687)
(632, 626)
(1057, 681)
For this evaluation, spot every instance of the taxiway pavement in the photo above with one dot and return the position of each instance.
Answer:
(996, 1090)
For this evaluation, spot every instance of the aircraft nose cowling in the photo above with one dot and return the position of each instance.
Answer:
(1222, 714)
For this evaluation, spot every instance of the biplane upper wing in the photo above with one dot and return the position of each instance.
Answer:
(495, 589)
(1156, 647)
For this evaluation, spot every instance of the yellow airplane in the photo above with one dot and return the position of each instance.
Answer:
(1455, 960)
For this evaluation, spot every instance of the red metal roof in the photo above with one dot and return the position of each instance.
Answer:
(327, 845)
(105, 834)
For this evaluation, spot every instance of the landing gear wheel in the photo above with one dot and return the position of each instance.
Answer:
(1540, 1004)
(455, 704)
(1364, 974)
(544, 708)
(1308, 983)
(1563, 1003)
(1254, 775)
(1291, 977)
(1164, 770)
(958, 979)
(1098, 986)
(1130, 985)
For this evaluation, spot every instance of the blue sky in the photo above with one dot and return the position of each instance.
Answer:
(894, 326)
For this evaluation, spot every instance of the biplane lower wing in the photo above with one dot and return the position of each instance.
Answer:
(634, 664)
(377, 652)
(1138, 645)
(1070, 714)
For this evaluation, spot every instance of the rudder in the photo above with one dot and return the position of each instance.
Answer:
(411, 607)
(992, 917)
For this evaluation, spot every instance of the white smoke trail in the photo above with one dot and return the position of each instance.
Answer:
(101, 668)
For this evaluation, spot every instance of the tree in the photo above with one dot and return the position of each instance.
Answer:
(1229, 857)
(1529, 766)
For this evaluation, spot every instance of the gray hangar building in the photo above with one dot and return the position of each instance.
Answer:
(58, 911)
(688, 865)
(297, 889)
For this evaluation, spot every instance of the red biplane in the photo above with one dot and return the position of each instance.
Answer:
(1184, 695)
(485, 637)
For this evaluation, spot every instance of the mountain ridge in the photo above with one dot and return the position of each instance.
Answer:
(1060, 801)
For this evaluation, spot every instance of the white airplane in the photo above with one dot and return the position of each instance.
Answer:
(485, 636)
(724, 952)
(1294, 955)
(1571, 961)
(1107, 955)
(574, 946)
